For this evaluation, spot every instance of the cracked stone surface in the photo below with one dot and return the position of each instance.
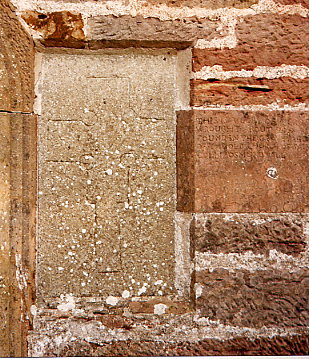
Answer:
(107, 175)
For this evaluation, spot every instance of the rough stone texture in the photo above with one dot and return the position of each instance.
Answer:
(17, 214)
(104, 31)
(16, 63)
(253, 161)
(218, 233)
(263, 40)
(5, 234)
(212, 4)
(255, 299)
(304, 3)
(185, 154)
(250, 91)
(276, 345)
(107, 175)
(170, 306)
(61, 28)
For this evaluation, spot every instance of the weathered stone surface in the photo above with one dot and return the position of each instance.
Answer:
(160, 306)
(249, 91)
(304, 3)
(61, 28)
(263, 40)
(185, 159)
(5, 235)
(17, 225)
(245, 161)
(255, 299)
(275, 345)
(105, 31)
(16, 63)
(107, 175)
(237, 233)
(212, 4)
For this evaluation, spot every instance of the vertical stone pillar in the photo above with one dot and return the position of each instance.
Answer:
(17, 183)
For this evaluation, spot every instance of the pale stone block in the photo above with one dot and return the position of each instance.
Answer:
(107, 174)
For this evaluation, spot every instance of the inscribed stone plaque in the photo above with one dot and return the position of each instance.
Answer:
(107, 175)
(245, 161)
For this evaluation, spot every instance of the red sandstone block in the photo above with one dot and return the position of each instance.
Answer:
(242, 161)
(239, 345)
(263, 40)
(255, 299)
(258, 233)
(304, 3)
(248, 91)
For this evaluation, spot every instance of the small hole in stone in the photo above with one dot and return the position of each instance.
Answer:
(42, 16)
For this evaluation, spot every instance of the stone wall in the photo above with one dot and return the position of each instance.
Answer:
(227, 81)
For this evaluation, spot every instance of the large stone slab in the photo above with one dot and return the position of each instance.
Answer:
(107, 175)
(242, 161)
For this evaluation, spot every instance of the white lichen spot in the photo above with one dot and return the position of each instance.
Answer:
(111, 300)
(84, 230)
(125, 294)
(109, 172)
(67, 303)
(142, 290)
(198, 290)
(33, 310)
(160, 309)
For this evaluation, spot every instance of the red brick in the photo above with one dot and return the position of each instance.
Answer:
(232, 155)
(263, 40)
(255, 299)
(248, 91)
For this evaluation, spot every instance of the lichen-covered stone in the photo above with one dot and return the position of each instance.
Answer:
(107, 175)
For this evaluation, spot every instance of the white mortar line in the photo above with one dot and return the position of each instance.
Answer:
(268, 72)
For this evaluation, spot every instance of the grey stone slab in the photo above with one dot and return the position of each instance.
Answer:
(107, 174)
